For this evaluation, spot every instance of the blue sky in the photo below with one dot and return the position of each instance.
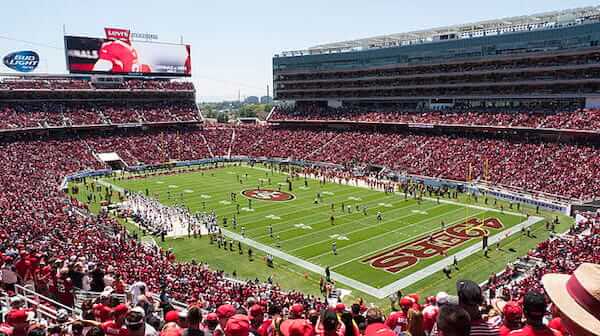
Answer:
(233, 41)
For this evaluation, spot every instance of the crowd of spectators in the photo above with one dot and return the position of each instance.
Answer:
(47, 242)
(81, 84)
(579, 119)
(560, 254)
(44, 84)
(17, 115)
(152, 146)
(558, 169)
(553, 168)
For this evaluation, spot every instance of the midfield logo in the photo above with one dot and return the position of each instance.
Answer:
(268, 195)
(408, 254)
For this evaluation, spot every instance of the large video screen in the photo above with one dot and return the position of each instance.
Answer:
(88, 55)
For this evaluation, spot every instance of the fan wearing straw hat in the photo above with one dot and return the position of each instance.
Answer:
(577, 298)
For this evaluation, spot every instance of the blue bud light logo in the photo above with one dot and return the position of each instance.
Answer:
(22, 61)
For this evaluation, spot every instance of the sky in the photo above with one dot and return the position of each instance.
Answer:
(233, 42)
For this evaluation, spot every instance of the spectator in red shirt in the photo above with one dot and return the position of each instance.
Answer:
(16, 322)
(375, 325)
(534, 309)
(513, 314)
(398, 321)
(224, 312)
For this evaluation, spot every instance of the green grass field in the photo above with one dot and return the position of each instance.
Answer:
(305, 230)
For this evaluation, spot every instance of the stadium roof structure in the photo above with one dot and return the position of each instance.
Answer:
(547, 20)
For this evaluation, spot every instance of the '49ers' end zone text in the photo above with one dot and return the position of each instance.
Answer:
(408, 254)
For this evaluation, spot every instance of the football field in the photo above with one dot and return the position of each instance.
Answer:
(412, 238)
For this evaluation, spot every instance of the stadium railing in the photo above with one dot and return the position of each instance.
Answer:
(43, 306)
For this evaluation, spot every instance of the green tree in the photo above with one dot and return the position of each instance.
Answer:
(222, 118)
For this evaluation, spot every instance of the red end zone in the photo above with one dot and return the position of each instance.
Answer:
(268, 195)
(408, 254)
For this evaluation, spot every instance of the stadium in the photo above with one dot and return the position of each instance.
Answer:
(435, 182)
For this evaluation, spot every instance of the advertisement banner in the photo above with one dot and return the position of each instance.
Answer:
(119, 54)
(19, 61)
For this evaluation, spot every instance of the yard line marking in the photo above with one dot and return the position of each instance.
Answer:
(350, 223)
(302, 208)
(366, 228)
(304, 264)
(387, 233)
(303, 226)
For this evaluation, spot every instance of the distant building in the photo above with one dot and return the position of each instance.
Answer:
(266, 100)
(251, 100)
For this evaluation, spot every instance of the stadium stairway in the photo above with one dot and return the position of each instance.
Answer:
(318, 150)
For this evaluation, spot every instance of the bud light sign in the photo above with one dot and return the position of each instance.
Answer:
(22, 61)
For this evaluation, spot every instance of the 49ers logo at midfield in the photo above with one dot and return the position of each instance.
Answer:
(438, 243)
(268, 195)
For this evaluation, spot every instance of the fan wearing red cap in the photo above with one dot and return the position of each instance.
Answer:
(114, 327)
(296, 327)
(296, 311)
(17, 322)
(398, 321)
(224, 312)
(256, 314)
(172, 316)
(211, 322)
(340, 308)
(512, 318)
(415, 298)
(237, 325)
(534, 309)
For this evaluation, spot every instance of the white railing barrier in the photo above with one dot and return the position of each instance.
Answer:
(43, 306)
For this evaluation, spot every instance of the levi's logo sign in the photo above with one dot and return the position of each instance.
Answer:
(117, 34)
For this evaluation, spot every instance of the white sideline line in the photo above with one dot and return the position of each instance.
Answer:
(108, 184)
(302, 263)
